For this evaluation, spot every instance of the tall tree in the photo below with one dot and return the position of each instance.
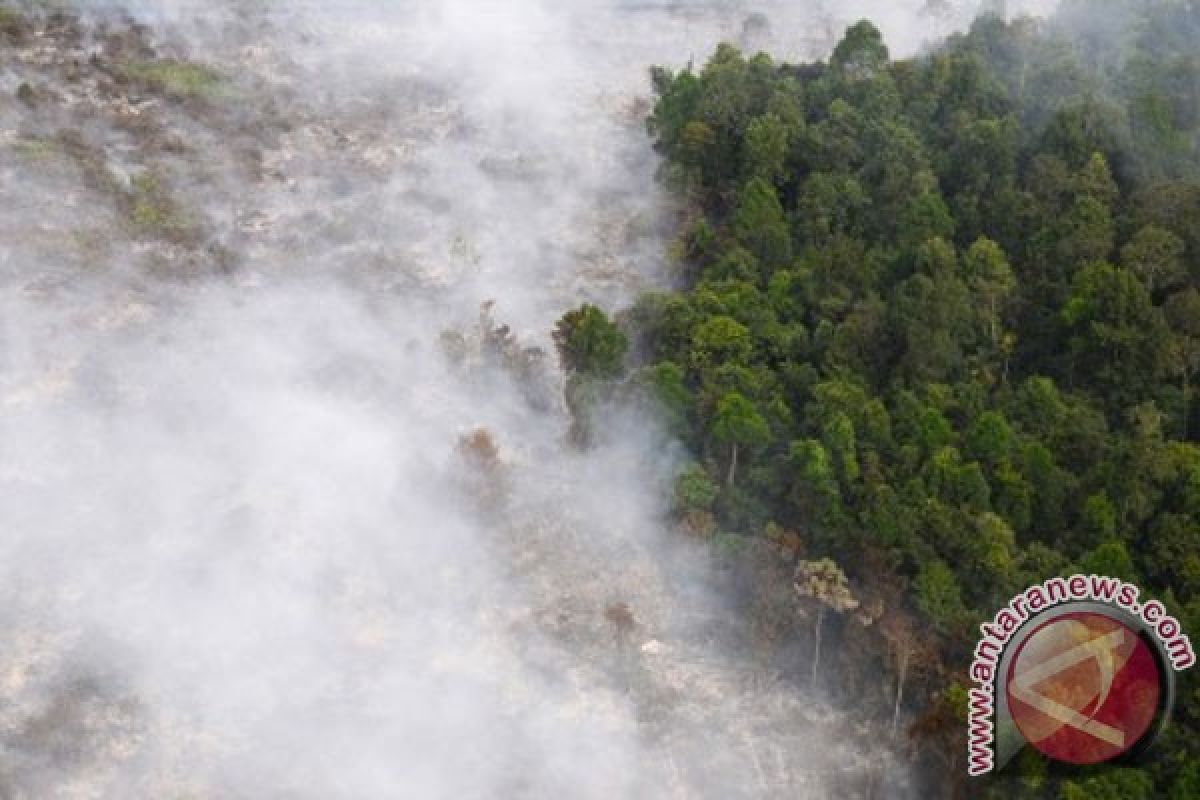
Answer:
(1155, 255)
(823, 582)
(1182, 311)
(761, 226)
(1118, 337)
(738, 423)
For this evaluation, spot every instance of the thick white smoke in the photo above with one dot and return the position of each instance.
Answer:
(253, 543)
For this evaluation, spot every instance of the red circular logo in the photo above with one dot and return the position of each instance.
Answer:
(1084, 688)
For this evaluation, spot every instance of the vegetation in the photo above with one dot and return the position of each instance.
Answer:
(592, 350)
(180, 80)
(12, 25)
(155, 213)
(941, 324)
(589, 344)
(36, 149)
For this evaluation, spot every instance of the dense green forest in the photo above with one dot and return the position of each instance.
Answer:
(939, 322)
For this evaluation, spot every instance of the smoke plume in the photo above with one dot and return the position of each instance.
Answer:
(288, 504)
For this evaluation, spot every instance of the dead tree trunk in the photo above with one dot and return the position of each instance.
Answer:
(817, 644)
(901, 677)
(733, 453)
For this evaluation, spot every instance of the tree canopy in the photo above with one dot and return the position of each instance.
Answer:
(942, 316)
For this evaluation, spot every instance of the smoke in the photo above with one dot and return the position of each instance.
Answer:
(284, 515)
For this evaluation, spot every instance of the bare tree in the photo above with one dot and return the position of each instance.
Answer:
(911, 650)
(623, 622)
(824, 582)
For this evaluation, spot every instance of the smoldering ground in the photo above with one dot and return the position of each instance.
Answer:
(285, 514)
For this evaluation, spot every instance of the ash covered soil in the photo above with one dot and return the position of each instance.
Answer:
(289, 506)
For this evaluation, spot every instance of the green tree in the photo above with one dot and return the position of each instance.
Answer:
(768, 141)
(666, 385)
(590, 344)
(1116, 784)
(761, 226)
(1118, 337)
(1100, 517)
(738, 423)
(1186, 783)
(926, 217)
(938, 594)
(1182, 312)
(933, 315)
(1112, 559)
(1085, 233)
(829, 205)
(695, 490)
(816, 490)
(992, 282)
(1096, 182)
(839, 437)
(991, 439)
(861, 53)
(720, 339)
(1155, 255)
(996, 546)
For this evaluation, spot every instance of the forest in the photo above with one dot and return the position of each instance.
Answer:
(291, 502)
(936, 338)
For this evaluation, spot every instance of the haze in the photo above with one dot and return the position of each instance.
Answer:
(244, 550)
